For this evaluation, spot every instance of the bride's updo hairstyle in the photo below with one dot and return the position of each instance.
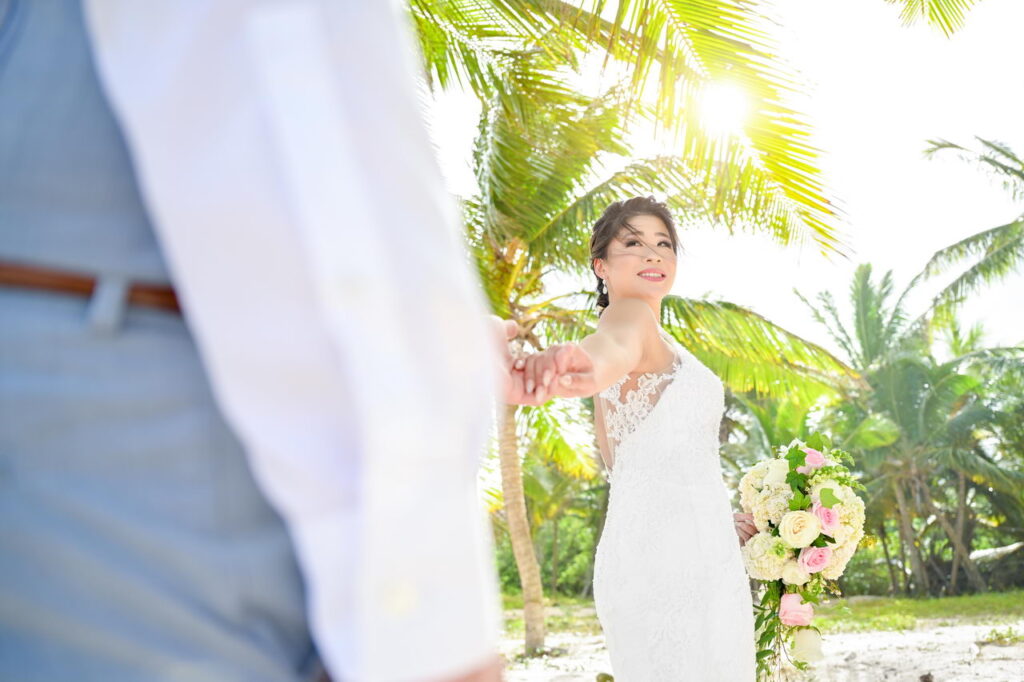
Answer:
(616, 217)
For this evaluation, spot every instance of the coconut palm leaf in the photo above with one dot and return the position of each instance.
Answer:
(995, 157)
(1000, 252)
(946, 15)
(538, 182)
(683, 45)
(556, 437)
(995, 252)
(750, 353)
(477, 46)
(678, 47)
(980, 468)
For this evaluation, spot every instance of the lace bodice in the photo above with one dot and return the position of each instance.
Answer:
(624, 413)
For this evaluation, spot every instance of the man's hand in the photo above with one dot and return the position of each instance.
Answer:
(512, 380)
(504, 331)
(511, 390)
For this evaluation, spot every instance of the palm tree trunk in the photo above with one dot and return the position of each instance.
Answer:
(952, 573)
(893, 585)
(974, 577)
(903, 559)
(519, 532)
(917, 568)
(961, 495)
(554, 557)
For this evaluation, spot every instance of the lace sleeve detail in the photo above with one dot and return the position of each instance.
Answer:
(623, 414)
(612, 392)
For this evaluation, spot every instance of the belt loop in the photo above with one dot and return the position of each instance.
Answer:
(108, 303)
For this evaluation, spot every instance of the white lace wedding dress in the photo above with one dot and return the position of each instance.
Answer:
(670, 589)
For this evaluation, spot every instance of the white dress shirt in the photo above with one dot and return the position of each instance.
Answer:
(319, 260)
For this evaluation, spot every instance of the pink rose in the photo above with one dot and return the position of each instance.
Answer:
(813, 460)
(829, 517)
(793, 610)
(813, 559)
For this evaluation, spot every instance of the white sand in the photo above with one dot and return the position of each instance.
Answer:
(949, 653)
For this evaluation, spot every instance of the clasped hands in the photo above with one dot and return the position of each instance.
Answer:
(562, 370)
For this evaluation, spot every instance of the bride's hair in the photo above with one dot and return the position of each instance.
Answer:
(616, 217)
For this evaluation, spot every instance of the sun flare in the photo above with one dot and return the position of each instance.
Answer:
(723, 108)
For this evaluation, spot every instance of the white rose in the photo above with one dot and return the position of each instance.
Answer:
(792, 574)
(807, 645)
(799, 528)
(777, 470)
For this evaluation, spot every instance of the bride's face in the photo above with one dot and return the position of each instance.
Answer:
(639, 265)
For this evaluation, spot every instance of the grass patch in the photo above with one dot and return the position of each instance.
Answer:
(1003, 637)
(888, 613)
(514, 600)
(881, 613)
(564, 614)
(575, 619)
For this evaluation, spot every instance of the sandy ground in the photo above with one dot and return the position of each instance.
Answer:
(949, 653)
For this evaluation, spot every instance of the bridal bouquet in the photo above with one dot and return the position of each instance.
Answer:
(810, 521)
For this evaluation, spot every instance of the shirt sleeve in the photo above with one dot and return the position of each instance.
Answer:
(319, 260)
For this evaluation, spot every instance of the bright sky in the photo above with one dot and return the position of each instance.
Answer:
(878, 92)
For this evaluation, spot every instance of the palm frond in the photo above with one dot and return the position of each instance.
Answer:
(548, 426)
(679, 47)
(982, 470)
(946, 15)
(833, 324)
(999, 160)
(750, 353)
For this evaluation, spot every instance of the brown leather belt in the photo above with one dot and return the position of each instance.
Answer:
(34, 277)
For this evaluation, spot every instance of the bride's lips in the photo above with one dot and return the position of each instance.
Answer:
(652, 271)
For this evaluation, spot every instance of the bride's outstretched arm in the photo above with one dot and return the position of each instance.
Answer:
(596, 362)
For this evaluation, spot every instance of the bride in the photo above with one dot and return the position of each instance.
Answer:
(670, 589)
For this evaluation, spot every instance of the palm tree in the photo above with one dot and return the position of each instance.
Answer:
(921, 420)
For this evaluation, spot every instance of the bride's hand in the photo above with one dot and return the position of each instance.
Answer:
(745, 527)
(563, 370)
(575, 371)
